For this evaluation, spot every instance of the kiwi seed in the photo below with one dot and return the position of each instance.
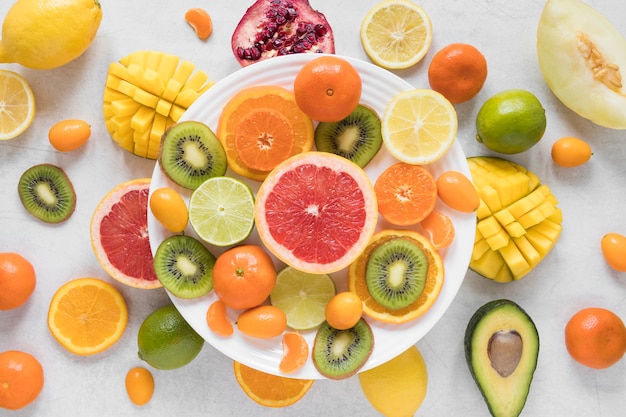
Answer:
(47, 193)
(358, 137)
(184, 266)
(190, 153)
(396, 273)
(339, 354)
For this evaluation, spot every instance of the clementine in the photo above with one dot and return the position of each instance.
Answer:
(243, 276)
(458, 71)
(295, 352)
(596, 337)
(17, 280)
(21, 379)
(439, 228)
(327, 88)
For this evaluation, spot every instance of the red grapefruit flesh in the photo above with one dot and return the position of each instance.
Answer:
(119, 235)
(316, 212)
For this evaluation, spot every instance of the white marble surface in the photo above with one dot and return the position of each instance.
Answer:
(573, 276)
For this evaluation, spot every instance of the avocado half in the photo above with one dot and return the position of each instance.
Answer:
(501, 350)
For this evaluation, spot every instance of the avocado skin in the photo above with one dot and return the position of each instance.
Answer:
(499, 406)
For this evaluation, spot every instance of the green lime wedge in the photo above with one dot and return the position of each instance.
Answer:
(221, 211)
(302, 297)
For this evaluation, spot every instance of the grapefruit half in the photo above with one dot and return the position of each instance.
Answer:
(119, 235)
(316, 212)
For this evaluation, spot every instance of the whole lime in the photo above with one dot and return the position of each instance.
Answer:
(511, 121)
(166, 341)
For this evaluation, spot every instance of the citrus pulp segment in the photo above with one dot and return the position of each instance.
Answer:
(419, 126)
(119, 235)
(430, 293)
(87, 315)
(17, 105)
(396, 34)
(316, 212)
(302, 296)
(221, 211)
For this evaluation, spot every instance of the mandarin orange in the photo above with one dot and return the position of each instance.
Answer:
(21, 379)
(17, 280)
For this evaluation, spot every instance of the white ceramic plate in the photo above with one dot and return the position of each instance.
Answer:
(379, 86)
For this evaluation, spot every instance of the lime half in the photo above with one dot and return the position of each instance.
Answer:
(221, 211)
(302, 297)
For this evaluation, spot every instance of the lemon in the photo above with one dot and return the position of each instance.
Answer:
(302, 296)
(46, 34)
(511, 121)
(396, 34)
(17, 105)
(419, 126)
(398, 387)
(166, 341)
(221, 211)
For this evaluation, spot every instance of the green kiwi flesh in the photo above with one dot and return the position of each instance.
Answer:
(339, 354)
(358, 137)
(190, 153)
(396, 273)
(184, 266)
(47, 193)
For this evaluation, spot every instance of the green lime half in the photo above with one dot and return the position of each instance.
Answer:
(302, 297)
(511, 121)
(221, 211)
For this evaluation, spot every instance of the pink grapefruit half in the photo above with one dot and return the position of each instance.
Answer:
(316, 212)
(119, 235)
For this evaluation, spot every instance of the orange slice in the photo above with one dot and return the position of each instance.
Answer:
(261, 127)
(270, 390)
(87, 316)
(432, 287)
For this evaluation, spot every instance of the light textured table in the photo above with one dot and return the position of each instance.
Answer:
(573, 276)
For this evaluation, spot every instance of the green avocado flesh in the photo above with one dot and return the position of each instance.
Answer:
(501, 351)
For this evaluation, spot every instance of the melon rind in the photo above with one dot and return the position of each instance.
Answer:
(568, 74)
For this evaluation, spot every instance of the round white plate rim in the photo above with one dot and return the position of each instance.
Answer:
(379, 86)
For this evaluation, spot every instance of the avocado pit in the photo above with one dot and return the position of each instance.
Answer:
(505, 351)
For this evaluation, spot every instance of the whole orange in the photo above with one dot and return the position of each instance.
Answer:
(244, 276)
(21, 379)
(17, 280)
(596, 337)
(458, 71)
(327, 88)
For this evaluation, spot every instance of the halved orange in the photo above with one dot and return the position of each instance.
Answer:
(260, 127)
(87, 315)
(432, 287)
(270, 390)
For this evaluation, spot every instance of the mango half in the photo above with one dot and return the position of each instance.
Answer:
(518, 220)
(581, 56)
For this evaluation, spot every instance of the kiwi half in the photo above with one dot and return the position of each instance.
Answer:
(339, 354)
(184, 266)
(47, 193)
(190, 153)
(395, 274)
(358, 137)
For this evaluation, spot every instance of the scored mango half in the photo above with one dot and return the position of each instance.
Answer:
(518, 220)
(145, 93)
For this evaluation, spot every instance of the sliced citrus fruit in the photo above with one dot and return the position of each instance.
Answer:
(316, 212)
(406, 193)
(87, 315)
(302, 296)
(119, 235)
(17, 105)
(262, 126)
(419, 126)
(432, 286)
(270, 390)
(396, 34)
(439, 228)
(221, 211)
(295, 352)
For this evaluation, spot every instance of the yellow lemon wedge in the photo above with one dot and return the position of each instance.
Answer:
(17, 105)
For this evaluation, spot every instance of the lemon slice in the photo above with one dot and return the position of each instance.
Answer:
(396, 34)
(302, 296)
(221, 211)
(17, 105)
(419, 126)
